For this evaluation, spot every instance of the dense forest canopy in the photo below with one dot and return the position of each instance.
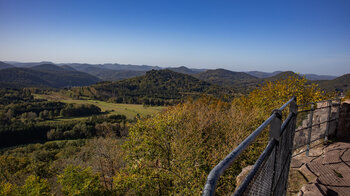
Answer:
(24, 119)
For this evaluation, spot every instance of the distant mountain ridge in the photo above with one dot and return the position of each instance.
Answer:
(184, 70)
(224, 77)
(282, 75)
(341, 83)
(260, 74)
(77, 74)
(112, 75)
(115, 71)
(27, 64)
(5, 65)
(44, 75)
(318, 77)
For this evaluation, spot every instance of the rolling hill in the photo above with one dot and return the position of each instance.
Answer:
(5, 65)
(112, 75)
(155, 87)
(110, 66)
(45, 75)
(261, 74)
(27, 64)
(240, 81)
(68, 68)
(224, 77)
(318, 77)
(282, 75)
(341, 83)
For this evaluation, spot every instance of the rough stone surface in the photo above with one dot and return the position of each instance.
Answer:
(315, 152)
(332, 156)
(295, 163)
(320, 116)
(245, 171)
(311, 190)
(329, 173)
(311, 177)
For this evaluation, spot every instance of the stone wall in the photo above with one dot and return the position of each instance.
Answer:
(318, 131)
(344, 121)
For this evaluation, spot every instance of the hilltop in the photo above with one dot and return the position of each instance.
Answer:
(282, 75)
(184, 70)
(224, 77)
(260, 74)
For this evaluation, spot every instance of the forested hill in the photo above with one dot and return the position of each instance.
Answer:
(112, 75)
(156, 87)
(46, 75)
(341, 83)
(282, 75)
(224, 77)
(260, 74)
(5, 65)
(239, 81)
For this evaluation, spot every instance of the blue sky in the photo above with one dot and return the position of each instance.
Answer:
(305, 36)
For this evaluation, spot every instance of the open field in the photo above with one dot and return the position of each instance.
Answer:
(129, 110)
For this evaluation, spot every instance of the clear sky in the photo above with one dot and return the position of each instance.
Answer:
(306, 36)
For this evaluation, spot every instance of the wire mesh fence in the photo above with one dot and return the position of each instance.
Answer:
(271, 177)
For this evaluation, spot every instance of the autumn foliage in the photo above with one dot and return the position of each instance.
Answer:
(174, 152)
(171, 153)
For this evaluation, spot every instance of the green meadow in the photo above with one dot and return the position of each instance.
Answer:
(129, 110)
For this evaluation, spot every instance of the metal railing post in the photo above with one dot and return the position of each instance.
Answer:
(293, 108)
(328, 119)
(310, 129)
(275, 133)
(275, 125)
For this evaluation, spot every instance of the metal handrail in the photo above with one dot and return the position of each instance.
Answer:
(217, 171)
